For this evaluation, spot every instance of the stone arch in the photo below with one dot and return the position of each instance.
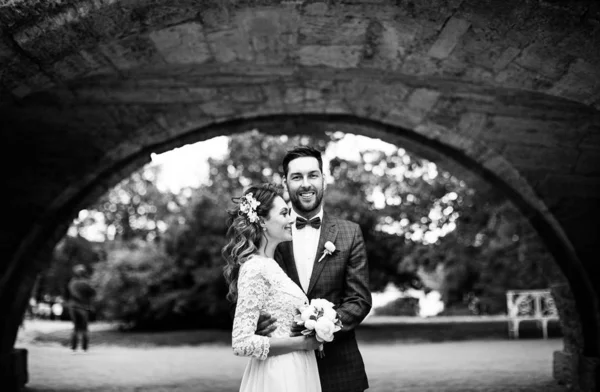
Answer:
(115, 78)
(411, 120)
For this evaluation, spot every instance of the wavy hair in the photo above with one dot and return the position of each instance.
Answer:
(243, 236)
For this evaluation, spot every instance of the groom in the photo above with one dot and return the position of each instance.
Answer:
(342, 277)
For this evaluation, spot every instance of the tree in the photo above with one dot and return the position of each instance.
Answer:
(134, 208)
(422, 228)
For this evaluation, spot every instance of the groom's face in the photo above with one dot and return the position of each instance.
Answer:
(305, 185)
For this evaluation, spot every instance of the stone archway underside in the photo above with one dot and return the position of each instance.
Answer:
(91, 88)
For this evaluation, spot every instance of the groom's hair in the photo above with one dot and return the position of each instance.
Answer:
(300, 152)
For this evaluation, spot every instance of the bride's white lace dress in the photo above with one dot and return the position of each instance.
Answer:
(264, 286)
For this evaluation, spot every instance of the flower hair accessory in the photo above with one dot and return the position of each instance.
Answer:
(329, 249)
(248, 205)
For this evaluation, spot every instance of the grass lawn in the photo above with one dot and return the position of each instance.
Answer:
(373, 330)
(399, 357)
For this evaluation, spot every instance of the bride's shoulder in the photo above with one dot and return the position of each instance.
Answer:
(255, 262)
(260, 263)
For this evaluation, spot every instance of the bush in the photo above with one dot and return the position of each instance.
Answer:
(399, 307)
(141, 287)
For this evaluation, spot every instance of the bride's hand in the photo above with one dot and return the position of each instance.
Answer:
(311, 343)
(296, 329)
(265, 325)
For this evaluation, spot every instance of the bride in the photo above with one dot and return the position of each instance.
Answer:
(258, 223)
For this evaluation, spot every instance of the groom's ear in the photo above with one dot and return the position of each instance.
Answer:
(286, 191)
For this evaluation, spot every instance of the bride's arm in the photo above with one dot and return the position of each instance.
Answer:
(287, 345)
(252, 293)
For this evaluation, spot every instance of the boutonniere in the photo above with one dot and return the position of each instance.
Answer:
(329, 249)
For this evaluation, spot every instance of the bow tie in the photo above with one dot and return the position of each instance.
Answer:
(314, 222)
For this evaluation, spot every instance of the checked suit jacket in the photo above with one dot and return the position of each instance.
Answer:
(343, 279)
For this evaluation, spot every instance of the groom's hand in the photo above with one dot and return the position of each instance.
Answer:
(265, 325)
(296, 329)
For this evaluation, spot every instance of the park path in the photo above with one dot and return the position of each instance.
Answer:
(468, 366)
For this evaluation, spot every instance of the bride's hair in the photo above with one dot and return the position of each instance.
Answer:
(244, 231)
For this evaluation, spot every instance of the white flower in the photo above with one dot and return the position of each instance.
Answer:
(310, 324)
(330, 314)
(253, 202)
(309, 312)
(321, 303)
(324, 329)
(329, 249)
(248, 205)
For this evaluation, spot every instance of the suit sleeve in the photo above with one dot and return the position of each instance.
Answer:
(356, 300)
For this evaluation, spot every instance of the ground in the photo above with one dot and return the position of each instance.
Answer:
(140, 363)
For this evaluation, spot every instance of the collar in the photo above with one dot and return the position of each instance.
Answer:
(319, 214)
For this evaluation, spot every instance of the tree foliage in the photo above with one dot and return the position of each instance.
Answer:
(422, 227)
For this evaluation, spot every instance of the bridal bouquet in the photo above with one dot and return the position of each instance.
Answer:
(320, 320)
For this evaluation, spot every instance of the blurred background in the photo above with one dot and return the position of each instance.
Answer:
(438, 245)
(443, 253)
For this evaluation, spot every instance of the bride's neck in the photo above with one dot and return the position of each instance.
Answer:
(267, 249)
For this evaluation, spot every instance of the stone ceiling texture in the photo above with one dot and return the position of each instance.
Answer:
(546, 46)
(508, 89)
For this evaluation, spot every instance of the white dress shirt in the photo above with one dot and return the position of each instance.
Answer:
(305, 243)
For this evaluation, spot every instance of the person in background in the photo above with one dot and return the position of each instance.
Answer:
(80, 296)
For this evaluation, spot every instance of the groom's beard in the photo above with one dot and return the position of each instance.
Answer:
(303, 207)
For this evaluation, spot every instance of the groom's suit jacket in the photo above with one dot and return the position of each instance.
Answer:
(343, 279)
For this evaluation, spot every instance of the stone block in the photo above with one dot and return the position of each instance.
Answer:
(275, 49)
(565, 185)
(7, 52)
(22, 77)
(591, 139)
(532, 132)
(419, 64)
(332, 31)
(556, 160)
(472, 123)
(581, 81)
(248, 94)
(109, 19)
(132, 52)
(230, 45)
(564, 368)
(507, 56)
(589, 373)
(316, 8)
(81, 64)
(423, 99)
(516, 76)
(56, 34)
(588, 162)
(182, 44)
(449, 38)
(331, 56)
(155, 12)
(541, 57)
(18, 373)
(404, 117)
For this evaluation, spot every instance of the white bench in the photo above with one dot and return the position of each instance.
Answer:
(524, 305)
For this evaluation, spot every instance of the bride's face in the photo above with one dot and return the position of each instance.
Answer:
(278, 223)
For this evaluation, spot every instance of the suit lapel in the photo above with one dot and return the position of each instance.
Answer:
(328, 233)
(288, 263)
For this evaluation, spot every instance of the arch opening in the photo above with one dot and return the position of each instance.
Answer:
(445, 155)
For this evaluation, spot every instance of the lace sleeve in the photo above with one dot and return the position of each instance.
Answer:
(252, 293)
